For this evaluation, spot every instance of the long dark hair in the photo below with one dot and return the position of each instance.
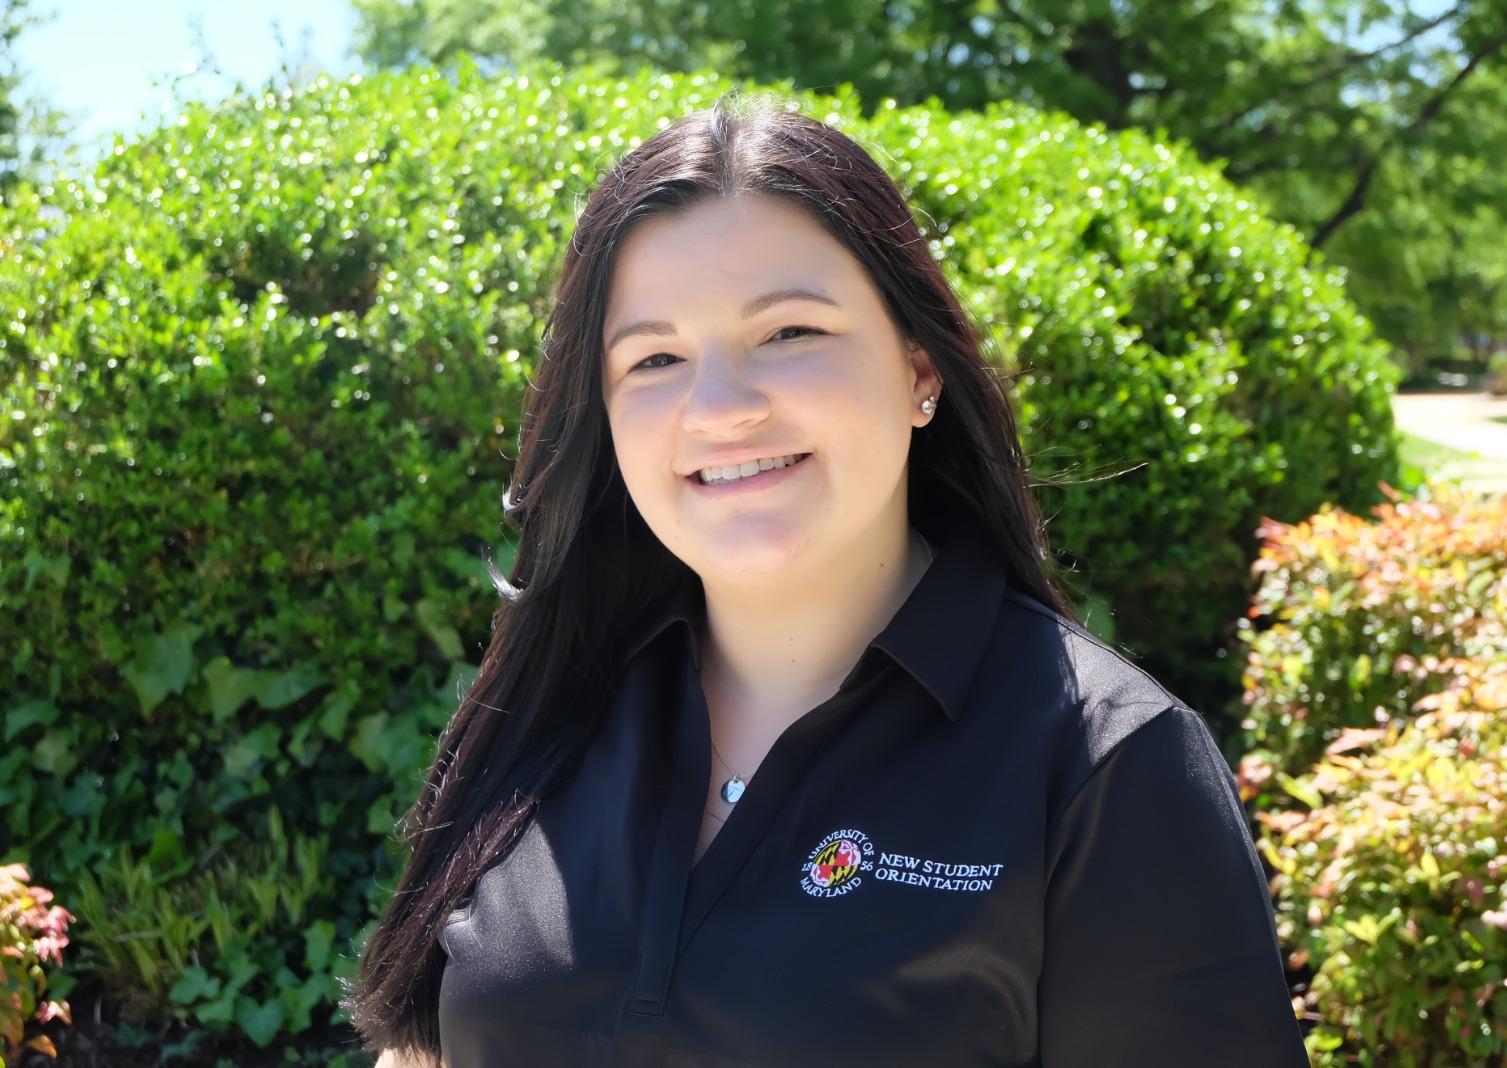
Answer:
(587, 564)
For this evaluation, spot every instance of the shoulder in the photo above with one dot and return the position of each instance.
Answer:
(1081, 697)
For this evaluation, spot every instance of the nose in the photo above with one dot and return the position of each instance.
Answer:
(722, 397)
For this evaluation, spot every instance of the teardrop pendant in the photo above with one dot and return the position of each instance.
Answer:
(732, 789)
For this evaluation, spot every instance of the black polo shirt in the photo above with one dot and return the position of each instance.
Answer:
(1000, 843)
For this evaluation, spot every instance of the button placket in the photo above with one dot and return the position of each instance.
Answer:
(682, 891)
(670, 870)
(769, 791)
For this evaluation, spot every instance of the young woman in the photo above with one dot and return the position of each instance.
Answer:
(786, 748)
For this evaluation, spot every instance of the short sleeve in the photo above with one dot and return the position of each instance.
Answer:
(1160, 945)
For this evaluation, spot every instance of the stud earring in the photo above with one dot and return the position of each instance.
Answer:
(929, 405)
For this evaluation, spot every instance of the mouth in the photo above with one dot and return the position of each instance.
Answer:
(774, 476)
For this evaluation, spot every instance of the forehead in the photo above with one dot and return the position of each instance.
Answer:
(724, 250)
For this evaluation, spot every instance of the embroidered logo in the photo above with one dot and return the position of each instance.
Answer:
(840, 860)
(834, 867)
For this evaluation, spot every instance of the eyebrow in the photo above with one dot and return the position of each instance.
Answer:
(660, 328)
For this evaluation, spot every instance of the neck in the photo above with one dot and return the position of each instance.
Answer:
(771, 655)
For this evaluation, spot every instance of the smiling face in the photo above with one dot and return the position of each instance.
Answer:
(720, 375)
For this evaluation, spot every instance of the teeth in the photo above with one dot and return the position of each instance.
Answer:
(744, 470)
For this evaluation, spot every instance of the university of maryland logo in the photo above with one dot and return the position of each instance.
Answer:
(843, 860)
(834, 867)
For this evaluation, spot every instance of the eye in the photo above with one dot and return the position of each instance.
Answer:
(644, 363)
(808, 329)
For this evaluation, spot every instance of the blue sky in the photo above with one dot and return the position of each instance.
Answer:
(98, 59)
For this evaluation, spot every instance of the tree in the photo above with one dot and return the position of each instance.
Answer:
(31, 131)
(1375, 152)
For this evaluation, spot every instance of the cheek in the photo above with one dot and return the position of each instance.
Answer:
(639, 436)
(641, 410)
(844, 402)
(823, 390)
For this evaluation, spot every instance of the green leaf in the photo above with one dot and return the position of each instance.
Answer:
(334, 712)
(1302, 791)
(229, 686)
(162, 664)
(241, 967)
(1325, 1039)
(380, 817)
(462, 675)
(243, 755)
(56, 568)
(366, 741)
(278, 689)
(467, 566)
(166, 850)
(1360, 673)
(434, 623)
(319, 936)
(195, 984)
(298, 746)
(260, 1020)
(32, 712)
(54, 754)
(218, 1011)
(1364, 929)
(1475, 589)
(302, 998)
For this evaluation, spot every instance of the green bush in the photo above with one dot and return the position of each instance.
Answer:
(259, 371)
(1354, 607)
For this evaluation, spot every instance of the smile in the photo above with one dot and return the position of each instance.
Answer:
(774, 476)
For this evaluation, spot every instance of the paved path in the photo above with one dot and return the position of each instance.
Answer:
(1462, 421)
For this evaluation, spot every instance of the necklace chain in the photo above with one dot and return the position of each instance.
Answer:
(732, 788)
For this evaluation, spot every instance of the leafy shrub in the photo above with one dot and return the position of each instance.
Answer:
(1394, 885)
(1354, 605)
(233, 946)
(31, 933)
(259, 369)
(1376, 699)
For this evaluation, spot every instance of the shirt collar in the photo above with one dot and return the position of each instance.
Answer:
(938, 635)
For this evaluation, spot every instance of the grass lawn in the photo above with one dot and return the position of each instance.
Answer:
(1431, 455)
(1482, 474)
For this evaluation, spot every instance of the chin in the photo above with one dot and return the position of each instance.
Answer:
(754, 550)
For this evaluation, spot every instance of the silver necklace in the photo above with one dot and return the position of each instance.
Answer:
(733, 788)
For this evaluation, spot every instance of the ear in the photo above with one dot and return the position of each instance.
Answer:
(927, 384)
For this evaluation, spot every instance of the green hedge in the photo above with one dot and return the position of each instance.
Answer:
(261, 373)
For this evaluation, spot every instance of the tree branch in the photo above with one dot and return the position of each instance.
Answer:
(1357, 198)
(1351, 59)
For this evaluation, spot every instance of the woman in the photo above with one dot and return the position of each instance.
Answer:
(786, 748)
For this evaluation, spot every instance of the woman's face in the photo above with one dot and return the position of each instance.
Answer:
(708, 385)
